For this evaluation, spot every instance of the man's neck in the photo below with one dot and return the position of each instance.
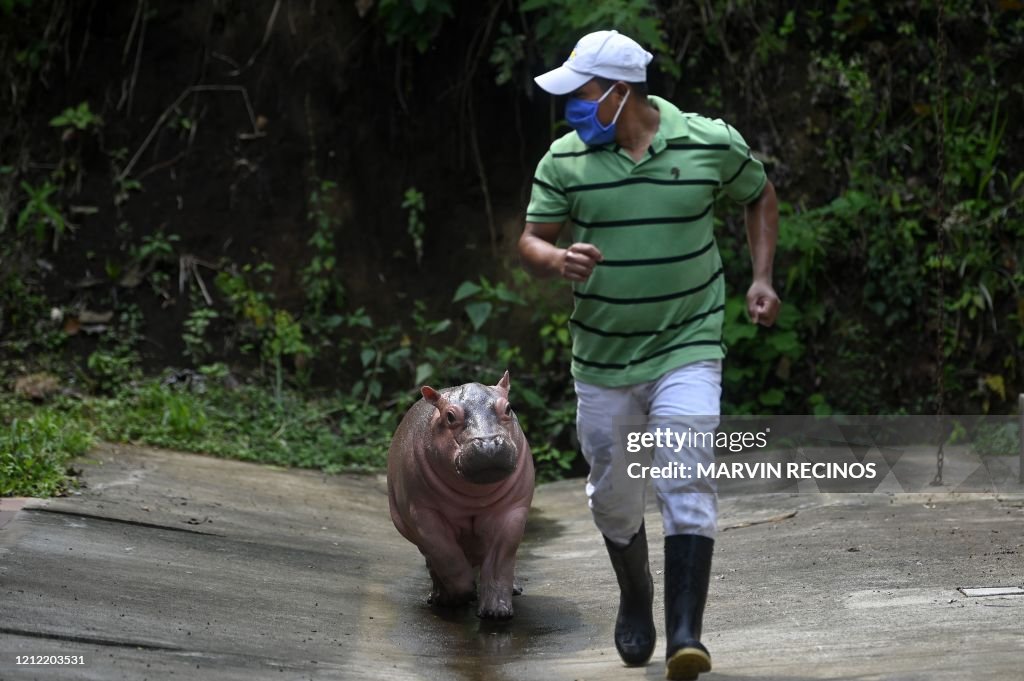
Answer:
(635, 132)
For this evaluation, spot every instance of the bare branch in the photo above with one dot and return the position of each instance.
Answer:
(167, 112)
(266, 38)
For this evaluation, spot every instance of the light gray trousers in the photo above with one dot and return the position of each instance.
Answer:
(684, 399)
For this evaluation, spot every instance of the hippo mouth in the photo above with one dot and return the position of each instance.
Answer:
(485, 461)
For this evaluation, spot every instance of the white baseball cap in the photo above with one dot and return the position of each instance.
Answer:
(602, 54)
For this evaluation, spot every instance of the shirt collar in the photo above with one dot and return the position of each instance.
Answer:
(671, 125)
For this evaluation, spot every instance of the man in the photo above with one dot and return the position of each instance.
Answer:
(637, 180)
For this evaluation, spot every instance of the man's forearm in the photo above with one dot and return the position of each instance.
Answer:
(540, 258)
(762, 219)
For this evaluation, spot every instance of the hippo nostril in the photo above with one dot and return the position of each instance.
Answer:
(489, 445)
(488, 459)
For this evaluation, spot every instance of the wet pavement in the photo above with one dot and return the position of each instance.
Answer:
(180, 566)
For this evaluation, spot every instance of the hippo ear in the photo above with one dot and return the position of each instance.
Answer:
(430, 395)
(503, 384)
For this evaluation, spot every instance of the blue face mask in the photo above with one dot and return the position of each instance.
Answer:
(581, 114)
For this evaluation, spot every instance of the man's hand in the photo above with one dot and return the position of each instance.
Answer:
(578, 261)
(762, 303)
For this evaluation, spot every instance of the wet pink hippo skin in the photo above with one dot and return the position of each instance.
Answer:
(460, 483)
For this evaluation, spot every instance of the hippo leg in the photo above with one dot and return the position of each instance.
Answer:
(440, 597)
(450, 571)
(501, 534)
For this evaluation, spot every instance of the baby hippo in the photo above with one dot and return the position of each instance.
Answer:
(460, 482)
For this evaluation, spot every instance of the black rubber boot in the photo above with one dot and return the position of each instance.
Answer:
(634, 625)
(687, 574)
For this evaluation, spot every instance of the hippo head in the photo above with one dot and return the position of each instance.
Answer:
(473, 431)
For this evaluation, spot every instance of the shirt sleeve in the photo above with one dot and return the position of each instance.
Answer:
(548, 201)
(742, 176)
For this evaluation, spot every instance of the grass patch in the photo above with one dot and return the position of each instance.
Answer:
(333, 433)
(35, 446)
(330, 433)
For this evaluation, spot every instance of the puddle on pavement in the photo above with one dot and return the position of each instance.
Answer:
(459, 644)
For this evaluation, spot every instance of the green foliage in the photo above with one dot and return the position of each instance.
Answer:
(509, 53)
(249, 423)
(418, 21)
(759, 384)
(860, 261)
(415, 204)
(116, 362)
(284, 338)
(546, 434)
(997, 439)
(197, 346)
(39, 214)
(273, 331)
(320, 279)
(481, 300)
(560, 23)
(35, 446)
(123, 188)
(333, 434)
(555, 336)
(109, 370)
(382, 351)
(26, 312)
(248, 299)
(79, 117)
(157, 246)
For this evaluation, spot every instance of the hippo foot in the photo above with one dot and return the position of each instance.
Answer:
(495, 604)
(500, 610)
(445, 599)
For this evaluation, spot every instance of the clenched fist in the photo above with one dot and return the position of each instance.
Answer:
(762, 303)
(578, 261)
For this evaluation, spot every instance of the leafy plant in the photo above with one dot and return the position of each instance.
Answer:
(79, 117)
(483, 298)
(123, 187)
(200, 317)
(274, 331)
(157, 246)
(320, 277)
(414, 203)
(284, 338)
(39, 214)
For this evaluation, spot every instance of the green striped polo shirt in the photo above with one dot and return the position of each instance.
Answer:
(657, 300)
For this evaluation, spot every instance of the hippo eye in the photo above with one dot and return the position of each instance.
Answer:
(508, 410)
(451, 417)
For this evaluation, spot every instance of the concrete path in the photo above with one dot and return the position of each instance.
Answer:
(179, 566)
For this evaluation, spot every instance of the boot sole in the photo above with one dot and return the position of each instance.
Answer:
(636, 659)
(686, 663)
